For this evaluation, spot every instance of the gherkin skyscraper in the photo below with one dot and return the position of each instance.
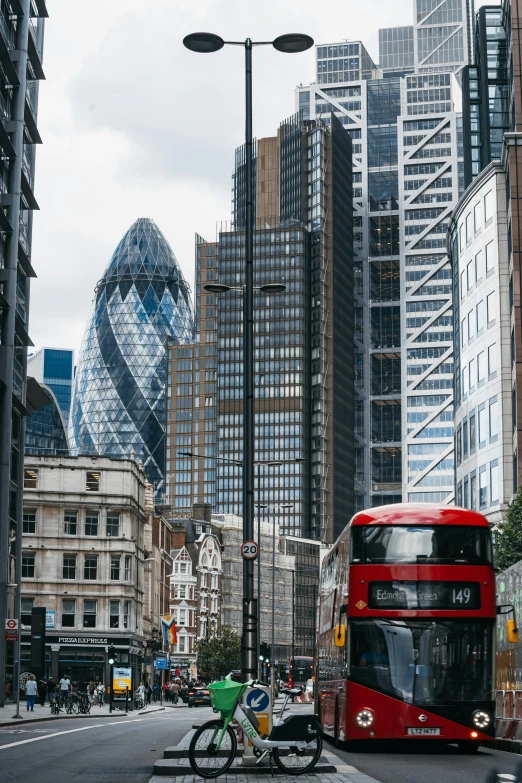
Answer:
(118, 399)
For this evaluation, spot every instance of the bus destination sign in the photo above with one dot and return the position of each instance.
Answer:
(424, 595)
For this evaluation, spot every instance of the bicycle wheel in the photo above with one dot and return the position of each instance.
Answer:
(205, 759)
(294, 761)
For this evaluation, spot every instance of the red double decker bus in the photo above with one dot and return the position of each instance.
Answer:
(301, 670)
(406, 627)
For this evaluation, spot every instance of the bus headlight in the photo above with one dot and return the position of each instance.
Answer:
(481, 719)
(364, 719)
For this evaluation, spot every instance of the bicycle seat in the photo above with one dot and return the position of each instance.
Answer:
(292, 691)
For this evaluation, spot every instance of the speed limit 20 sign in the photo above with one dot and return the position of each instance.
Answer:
(249, 550)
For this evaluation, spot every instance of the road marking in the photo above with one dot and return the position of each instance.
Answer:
(70, 731)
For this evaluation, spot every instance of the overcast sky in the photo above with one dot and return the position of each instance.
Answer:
(134, 125)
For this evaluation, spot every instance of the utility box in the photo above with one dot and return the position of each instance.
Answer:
(259, 700)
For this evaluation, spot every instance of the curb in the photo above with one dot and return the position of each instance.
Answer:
(58, 717)
(150, 712)
(163, 769)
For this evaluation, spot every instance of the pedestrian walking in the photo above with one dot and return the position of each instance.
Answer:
(65, 687)
(101, 693)
(148, 691)
(42, 691)
(30, 692)
(91, 690)
(175, 691)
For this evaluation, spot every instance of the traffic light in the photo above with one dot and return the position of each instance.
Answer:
(264, 650)
(111, 655)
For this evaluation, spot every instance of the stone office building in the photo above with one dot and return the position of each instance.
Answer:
(83, 559)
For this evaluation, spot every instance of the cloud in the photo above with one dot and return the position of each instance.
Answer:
(134, 125)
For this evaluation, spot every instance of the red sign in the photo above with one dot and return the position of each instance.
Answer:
(11, 637)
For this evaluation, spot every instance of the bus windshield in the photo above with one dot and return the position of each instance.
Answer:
(459, 544)
(423, 662)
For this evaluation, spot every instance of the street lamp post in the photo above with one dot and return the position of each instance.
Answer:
(207, 43)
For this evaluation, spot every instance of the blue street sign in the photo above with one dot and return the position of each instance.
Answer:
(287, 667)
(258, 700)
(162, 663)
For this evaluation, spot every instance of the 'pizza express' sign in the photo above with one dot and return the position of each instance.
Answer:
(81, 640)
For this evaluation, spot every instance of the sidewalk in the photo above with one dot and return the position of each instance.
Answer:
(329, 769)
(44, 714)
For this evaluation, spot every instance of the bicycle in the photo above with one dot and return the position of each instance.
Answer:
(294, 743)
(83, 703)
(139, 702)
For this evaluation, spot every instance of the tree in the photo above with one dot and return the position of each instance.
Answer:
(508, 538)
(218, 655)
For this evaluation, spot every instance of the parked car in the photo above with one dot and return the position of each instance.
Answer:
(184, 693)
(199, 697)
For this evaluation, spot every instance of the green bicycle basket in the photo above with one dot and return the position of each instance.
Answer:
(224, 694)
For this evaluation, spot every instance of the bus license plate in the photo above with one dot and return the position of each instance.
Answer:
(424, 731)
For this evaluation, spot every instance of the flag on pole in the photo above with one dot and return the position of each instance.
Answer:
(168, 628)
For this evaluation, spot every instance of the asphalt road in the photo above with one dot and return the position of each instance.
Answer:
(396, 764)
(123, 750)
(119, 750)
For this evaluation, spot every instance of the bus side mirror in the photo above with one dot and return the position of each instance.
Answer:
(512, 632)
(340, 635)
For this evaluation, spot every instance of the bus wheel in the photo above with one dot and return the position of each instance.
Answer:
(468, 747)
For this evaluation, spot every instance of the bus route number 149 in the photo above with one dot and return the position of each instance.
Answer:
(461, 596)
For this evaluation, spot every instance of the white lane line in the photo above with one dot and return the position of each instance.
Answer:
(70, 731)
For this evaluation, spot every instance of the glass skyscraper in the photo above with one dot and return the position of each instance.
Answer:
(118, 403)
(45, 430)
(408, 173)
(55, 368)
(303, 343)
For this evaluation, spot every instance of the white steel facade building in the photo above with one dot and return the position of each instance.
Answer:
(485, 389)
(406, 125)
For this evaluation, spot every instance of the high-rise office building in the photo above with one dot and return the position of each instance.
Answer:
(21, 43)
(443, 35)
(118, 404)
(486, 88)
(487, 264)
(396, 50)
(408, 173)
(55, 368)
(45, 428)
(303, 345)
